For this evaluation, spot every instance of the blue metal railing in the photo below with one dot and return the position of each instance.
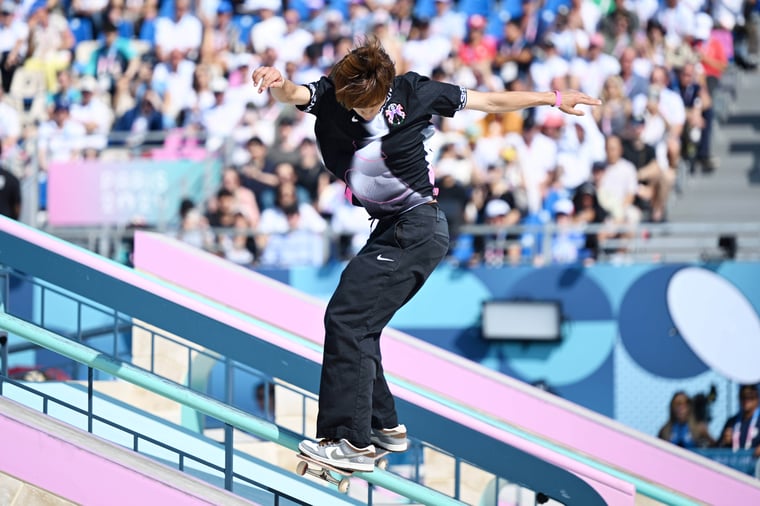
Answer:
(229, 415)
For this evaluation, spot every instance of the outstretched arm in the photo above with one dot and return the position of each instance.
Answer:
(505, 101)
(283, 90)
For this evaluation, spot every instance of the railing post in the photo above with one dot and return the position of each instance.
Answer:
(228, 429)
(228, 455)
(4, 358)
(89, 398)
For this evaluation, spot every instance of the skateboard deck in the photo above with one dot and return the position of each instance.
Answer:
(327, 472)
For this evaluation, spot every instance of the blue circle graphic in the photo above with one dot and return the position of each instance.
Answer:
(648, 331)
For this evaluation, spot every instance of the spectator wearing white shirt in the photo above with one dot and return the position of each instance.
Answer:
(536, 157)
(677, 18)
(588, 72)
(13, 36)
(94, 115)
(448, 23)
(183, 32)
(422, 52)
(60, 139)
(173, 81)
(666, 104)
(10, 127)
(274, 220)
(618, 185)
(550, 66)
(295, 40)
(270, 29)
(297, 246)
(222, 117)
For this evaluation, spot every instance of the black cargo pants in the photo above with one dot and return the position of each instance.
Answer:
(399, 256)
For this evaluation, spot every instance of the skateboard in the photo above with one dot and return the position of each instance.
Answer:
(327, 472)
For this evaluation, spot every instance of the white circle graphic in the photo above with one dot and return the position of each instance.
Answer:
(717, 321)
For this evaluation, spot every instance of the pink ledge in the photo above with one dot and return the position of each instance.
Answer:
(555, 419)
(79, 475)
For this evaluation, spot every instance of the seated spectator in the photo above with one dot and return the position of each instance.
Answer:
(10, 129)
(589, 72)
(568, 241)
(245, 199)
(298, 245)
(257, 173)
(94, 114)
(114, 62)
(581, 145)
(662, 101)
(222, 213)
(275, 220)
(536, 157)
(618, 185)
(612, 116)
(14, 33)
(588, 211)
(195, 229)
(51, 43)
(270, 29)
(286, 175)
(744, 426)
(682, 428)
(173, 81)
(182, 33)
(310, 170)
(501, 246)
(60, 139)
(220, 119)
(654, 183)
(348, 222)
(238, 245)
(696, 139)
(141, 121)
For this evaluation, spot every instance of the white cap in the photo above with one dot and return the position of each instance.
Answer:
(703, 25)
(497, 207)
(218, 85)
(563, 206)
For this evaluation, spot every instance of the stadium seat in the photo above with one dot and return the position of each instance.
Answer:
(82, 29)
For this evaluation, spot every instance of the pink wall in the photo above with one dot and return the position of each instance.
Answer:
(75, 473)
(577, 428)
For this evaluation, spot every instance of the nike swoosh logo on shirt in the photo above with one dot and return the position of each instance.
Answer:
(354, 119)
(383, 259)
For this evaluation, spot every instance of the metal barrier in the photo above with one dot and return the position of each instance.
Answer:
(230, 416)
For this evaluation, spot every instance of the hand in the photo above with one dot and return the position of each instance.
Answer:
(571, 98)
(267, 77)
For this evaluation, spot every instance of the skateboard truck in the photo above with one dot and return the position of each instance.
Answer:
(324, 472)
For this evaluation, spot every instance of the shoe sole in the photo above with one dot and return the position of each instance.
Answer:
(400, 447)
(341, 465)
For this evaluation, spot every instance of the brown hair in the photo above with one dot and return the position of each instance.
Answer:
(364, 76)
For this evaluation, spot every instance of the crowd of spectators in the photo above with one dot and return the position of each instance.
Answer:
(739, 438)
(82, 79)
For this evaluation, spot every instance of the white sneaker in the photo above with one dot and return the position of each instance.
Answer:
(340, 453)
(393, 440)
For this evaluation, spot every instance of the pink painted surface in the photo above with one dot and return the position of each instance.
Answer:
(605, 441)
(77, 474)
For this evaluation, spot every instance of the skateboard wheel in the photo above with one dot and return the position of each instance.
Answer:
(343, 485)
(382, 464)
(542, 498)
(302, 467)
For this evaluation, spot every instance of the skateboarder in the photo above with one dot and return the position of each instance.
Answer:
(371, 127)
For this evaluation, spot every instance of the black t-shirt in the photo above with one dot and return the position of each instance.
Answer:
(10, 194)
(383, 161)
(638, 155)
